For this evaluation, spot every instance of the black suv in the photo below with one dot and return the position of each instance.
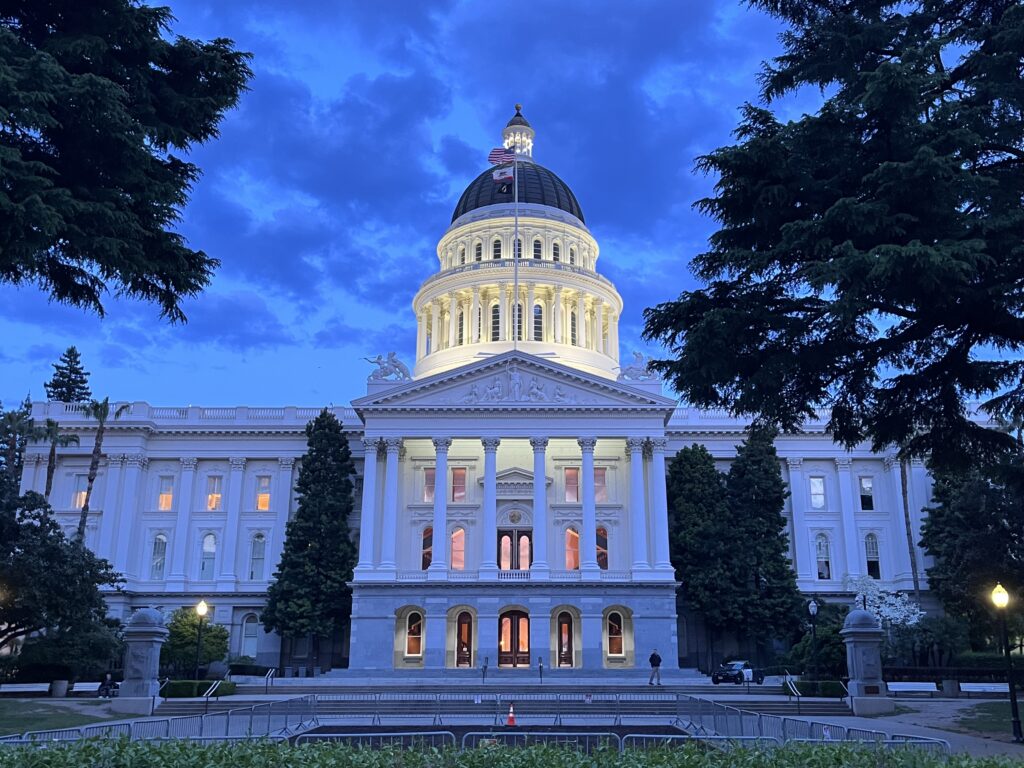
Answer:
(737, 672)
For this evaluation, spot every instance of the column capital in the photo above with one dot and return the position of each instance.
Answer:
(237, 463)
(844, 463)
(490, 444)
(531, 286)
(795, 463)
(658, 444)
(137, 460)
(286, 462)
(117, 459)
(635, 444)
(442, 444)
(587, 444)
(558, 290)
(476, 290)
(538, 443)
(392, 444)
(891, 461)
(371, 444)
(502, 286)
(188, 463)
(598, 301)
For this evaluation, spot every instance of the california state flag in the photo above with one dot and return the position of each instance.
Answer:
(502, 176)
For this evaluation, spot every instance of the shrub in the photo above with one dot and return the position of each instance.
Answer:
(239, 668)
(187, 689)
(825, 688)
(980, 660)
(42, 672)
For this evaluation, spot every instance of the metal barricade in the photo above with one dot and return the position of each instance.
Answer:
(657, 741)
(583, 741)
(403, 739)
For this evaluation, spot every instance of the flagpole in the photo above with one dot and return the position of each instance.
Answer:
(517, 319)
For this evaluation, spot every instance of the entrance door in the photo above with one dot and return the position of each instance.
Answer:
(514, 639)
(464, 640)
(565, 643)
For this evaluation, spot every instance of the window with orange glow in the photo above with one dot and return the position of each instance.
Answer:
(458, 484)
(572, 550)
(427, 548)
(165, 497)
(414, 635)
(572, 485)
(601, 485)
(428, 485)
(602, 548)
(263, 493)
(458, 549)
(615, 634)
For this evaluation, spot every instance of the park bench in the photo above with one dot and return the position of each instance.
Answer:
(970, 688)
(22, 689)
(898, 688)
(85, 688)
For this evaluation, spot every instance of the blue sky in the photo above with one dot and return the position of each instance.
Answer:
(333, 180)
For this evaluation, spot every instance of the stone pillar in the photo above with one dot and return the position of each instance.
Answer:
(453, 318)
(474, 317)
(487, 632)
(599, 338)
(368, 510)
(129, 512)
(588, 536)
(899, 544)
(231, 528)
(438, 569)
(659, 506)
(489, 556)
(637, 508)
(419, 334)
(108, 520)
(539, 569)
(556, 313)
(613, 336)
(592, 632)
(143, 637)
(183, 513)
(389, 527)
(798, 499)
(851, 543)
(281, 503)
(435, 326)
(502, 306)
(863, 639)
(435, 629)
(581, 320)
(528, 320)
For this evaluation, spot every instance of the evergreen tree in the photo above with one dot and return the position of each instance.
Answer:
(179, 652)
(102, 103)
(70, 382)
(772, 606)
(869, 256)
(17, 429)
(310, 594)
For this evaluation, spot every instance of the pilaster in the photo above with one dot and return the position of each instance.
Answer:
(368, 510)
(539, 568)
(637, 508)
(488, 559)
(851, 548)
(183, 515)
(588, 536)
(228, 563)
(438, 570)
(802, 554)
(389, 529)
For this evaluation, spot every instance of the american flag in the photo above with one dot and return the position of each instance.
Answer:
(501, 155)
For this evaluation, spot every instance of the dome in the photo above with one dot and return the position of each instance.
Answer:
(858, 618)
(537, 186)
(517, 118)
(146, 617)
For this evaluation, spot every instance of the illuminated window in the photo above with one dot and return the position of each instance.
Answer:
(496, 249)
(817, 492)
(462, 255)
(427, 548)
(537, 249)
(519, 320)
(257, 554)
(479, 252)
(263, 493)
(572, 485)
(159, 559)
(250, 633)
(615, 634)
(207, 557)
(572, 549)
(414, 635)
(871, 553)
(461, 334)
(601, 485)
(458, 549)
(458, 483)
(165, 494)
(602, 548)
(555, 253)
(515, 549)
(214, 499)
(519, 248)
(428, 485)
(538, 322)
(78, 494)
(495, 323)
(572, 327)
(867, 493)
(572, 255)
(822, 549)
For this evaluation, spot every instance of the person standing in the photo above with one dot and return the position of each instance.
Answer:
(655, 661)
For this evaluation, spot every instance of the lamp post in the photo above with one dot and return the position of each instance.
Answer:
(1000, 599)
(201, 610)
(812, 609)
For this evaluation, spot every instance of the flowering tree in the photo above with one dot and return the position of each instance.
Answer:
(892, 609)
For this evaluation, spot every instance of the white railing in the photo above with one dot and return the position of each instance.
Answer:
(513, 575)
(412, 575)
(71, 413)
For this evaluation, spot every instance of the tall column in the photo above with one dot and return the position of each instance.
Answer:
(111, 509)
(389, 528)
(419, 335)
(556, 311)
(368, 512)
(453, 319)
(489, 558)
(599, 338)
(798, 499)
(528, 319)
(588, 536)
(851, 543)
(540, 568)
(231, 524)
(613, 335)
(435, 326)
(899, 544)
(502, 306)
(637, 508)
(281, 500)
(183, 512)
(659, 504)
(137, 463)
(474, 317)
(438, 569)
(581, 320)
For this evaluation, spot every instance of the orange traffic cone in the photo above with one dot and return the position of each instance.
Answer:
(511, 722)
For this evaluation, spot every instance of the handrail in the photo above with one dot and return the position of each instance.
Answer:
(212, 689)
(268, 679)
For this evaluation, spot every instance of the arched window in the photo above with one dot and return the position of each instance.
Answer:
(462, 255)
(519, 320)
(538, 249)
(427, 548)
(479, 325)
(572, 255)
(572, 327)
(458, 555)
(496, 249)
(602, 548)
(461, 335)
(871, 552)
(572, 549)
(556, 253)
(538, 322)
(159, 560)
(414, 635)
(209, 554)
(496, 323)
(250, 632)
(479, 252)
(822, 548)
(257, 554)
(615, 647)
(519, 247)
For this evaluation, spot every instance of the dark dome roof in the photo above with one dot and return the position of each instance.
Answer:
(537, 186)
(517, 118)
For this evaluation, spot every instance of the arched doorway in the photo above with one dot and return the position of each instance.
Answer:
(514, 639)
(464, 640)
(565, 640)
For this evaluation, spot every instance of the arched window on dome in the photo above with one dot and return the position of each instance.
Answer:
(572, 255)
(462, 256)
(572, 327)
(519, 247)
(495, 323)
(538, 248)
(538, 322)
(496, 249)
(479, 254)
(479, 326)
(461, 331)
(824, 557)
(556, 253)
(519, 320)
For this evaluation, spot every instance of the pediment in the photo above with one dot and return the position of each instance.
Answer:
(513, 380)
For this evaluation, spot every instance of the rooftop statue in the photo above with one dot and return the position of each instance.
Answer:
(639, 370)
(388, 369)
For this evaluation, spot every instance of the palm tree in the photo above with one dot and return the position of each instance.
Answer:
(100, 411)
(52, 434)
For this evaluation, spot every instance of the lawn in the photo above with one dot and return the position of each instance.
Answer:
(18, 715)
(990, 718)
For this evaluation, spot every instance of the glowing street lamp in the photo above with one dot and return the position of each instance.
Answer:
(201, 609)
(812, 609)
(1001, 599)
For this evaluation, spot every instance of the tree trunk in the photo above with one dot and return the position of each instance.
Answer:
(94, 465)
(911, 546)
(51, 467)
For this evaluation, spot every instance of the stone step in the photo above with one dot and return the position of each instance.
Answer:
(692, 690)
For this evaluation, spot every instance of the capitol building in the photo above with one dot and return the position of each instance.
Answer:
(511, 499)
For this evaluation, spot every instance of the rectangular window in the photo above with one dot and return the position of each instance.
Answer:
(572, 485)
(214, 497)
(165, 497)
(263, 493)
(600, 485)
(458, 483)
(817, 492)
(428, 485)
(867, 493)
(78, 494)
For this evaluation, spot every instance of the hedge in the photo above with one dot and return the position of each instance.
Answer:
(263, 754)
(188, 689)
(826, 688)
(257, 670)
